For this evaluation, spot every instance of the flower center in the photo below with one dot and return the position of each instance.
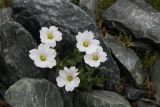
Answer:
(69, 78)
(43, 57)
(50, 35)
(86, 44)
(95, 57)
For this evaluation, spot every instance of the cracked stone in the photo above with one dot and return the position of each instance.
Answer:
(135, 17)
(15, 44)
(33, 93)
(100, 99)
(69, 18)
(129, 63)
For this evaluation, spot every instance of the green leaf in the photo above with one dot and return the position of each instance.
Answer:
(71, 62)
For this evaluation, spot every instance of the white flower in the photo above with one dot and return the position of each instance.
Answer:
(43, 57)
(86, 43)
(50, 36)
(95, 58)
(68, 78)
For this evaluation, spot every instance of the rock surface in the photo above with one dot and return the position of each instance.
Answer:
(133, 94)
(100, 99)
(67, 98)
(70, 19)
(146, 103)
(15, 43)
(2, 92)
(5, 15)
(89, 6)
(136, 17)
(141, 47)
(33, 93)
(155, 75)
(127, 58)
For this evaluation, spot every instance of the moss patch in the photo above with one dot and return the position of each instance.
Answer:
(5, 3)
(1, 4)
(104, 4)
(101, 6)
(125, 39)
(155, 4)
(148, 59)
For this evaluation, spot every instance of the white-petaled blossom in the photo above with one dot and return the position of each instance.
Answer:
(86, 42)
(50, 35)
(43, 57)
(95, 58)
(68, 78)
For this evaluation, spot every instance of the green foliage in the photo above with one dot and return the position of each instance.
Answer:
(148, 59)
(89, 76)
(155, 4)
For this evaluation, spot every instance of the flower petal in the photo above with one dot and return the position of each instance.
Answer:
(60, 81)
(62, 73)
(40, 64)
(58, 35)
(76, 82)
(33, 54)
(51, 63)
(69, 87)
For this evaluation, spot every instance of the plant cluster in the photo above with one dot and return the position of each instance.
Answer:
(77, 70)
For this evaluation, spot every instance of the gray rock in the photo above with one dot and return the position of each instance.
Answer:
(133, 94)
(5, 15)
(15, 43)
(135, 17)
(33, 93)
(70, 19)
(128, 60)
(68, 0)
(67, 98)
(141, 47)
(100, 99)
(2, 89)
(155, 75)
(2, 92)
(89, 6)
(146, 103)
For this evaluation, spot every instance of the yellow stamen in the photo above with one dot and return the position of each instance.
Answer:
(50, 35)
(69, 78)
(85, 44)
(43, 57)
(95, 57)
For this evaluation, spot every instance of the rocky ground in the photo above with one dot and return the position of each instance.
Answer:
(129, 31)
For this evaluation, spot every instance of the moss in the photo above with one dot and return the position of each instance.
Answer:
(148, 59)
(104, 4)
(1, 4)
(5, 3)
(155, 4)
(125, 39)
(101, 6)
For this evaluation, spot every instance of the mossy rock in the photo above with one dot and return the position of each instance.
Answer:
(155, 4)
